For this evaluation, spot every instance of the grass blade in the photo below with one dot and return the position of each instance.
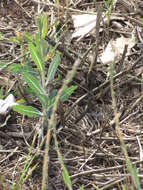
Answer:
(66, 178)
(45, 27)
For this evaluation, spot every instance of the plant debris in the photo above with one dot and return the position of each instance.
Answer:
(86, 125)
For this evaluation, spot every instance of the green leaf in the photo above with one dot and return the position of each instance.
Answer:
(15, 68)
(20, 102)
(33, 83)
(44, 48)
(1, 36)
(27, 110)
(28, 68)
(133, 172)
(44, 27)
(1, 93)
(123, 187)
(41, 48)
(67, 92)
(35, 57)
(37, 39)
(51, 98)
(28, 37)
(35, 86)
(2, 65)
(44, 100)
(14, 40)
(39, 25)
(28, 90)
(66, 178)
(82, 187)
(136, 178)
(53, 68)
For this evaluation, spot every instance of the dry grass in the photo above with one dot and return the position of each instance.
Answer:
(86, 132)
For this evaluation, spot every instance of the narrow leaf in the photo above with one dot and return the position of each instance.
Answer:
(50, 102)
(66, 178)
(39, 24)
(1, 35)
(36, 58)
(136, 178)
(53, 68)
(33, 83)
(28, 68)
(28, 37)
(44, 28)
(2, 65)
(44, 100)
(67, 93)
(82, 187)
(44, 49)
(15, 68)
(41, 48)
(14, 40)
(27, 110)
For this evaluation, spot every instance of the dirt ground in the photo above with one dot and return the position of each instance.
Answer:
(87, 138)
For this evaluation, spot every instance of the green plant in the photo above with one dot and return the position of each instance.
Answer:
(36, 78)
(109, 6)
(38, 82)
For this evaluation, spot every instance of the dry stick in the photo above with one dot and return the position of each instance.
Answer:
(63, 7)
(133, 105)
(9, 155)
(104, 85)
(23, 9)
(93, 63)
(13, 61)
(90, 172)
(137, 21)
(98, 20)
(123, 57)
(118, 130)
(95, 49)
(128, 139)
(122, 82)
(113, 182)
(61, 49)
(52, 122)
(67, 52)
